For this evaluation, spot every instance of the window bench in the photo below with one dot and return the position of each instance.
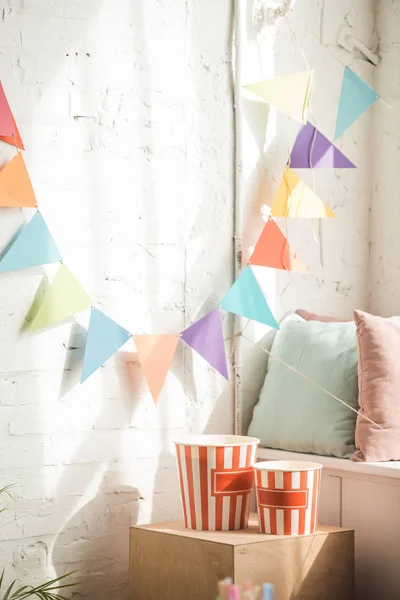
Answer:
(364, 497)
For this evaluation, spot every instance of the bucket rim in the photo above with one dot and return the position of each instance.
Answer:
(217, 440)
(287, 466)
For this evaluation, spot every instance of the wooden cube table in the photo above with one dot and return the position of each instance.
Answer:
(169, 562)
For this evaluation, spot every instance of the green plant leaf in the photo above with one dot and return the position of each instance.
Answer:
(6, 491)
(44, 591)
(8, 592)
(20, 590)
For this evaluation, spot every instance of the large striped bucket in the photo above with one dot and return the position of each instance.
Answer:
(216, 480)
(287, 496)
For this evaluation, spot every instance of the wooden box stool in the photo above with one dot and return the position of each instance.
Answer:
(169, 562)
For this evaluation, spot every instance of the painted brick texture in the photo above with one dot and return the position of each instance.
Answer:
(126, 112)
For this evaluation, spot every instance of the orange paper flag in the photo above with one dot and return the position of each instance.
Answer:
(15, 185)
(273, 250)
(155, 354)
(15, 139)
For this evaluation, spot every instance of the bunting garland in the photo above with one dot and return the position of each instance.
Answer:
(6, 118)
(8, 129)
(273, 250)
(206, 337)
(34, 247)
(290, 93)
(312, 150)
(155, 355)
(246, 299)
(356, 97)
(105, 337)
(65, 297)
(15, 185)
(295, 199)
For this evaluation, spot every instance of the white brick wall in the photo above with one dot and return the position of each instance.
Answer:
(126, 115)
(385, 214)
(126, 112)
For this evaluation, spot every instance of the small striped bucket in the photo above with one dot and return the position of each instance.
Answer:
(287, 496)
(216, 480)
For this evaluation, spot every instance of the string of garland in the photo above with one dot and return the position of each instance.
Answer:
(65, 297)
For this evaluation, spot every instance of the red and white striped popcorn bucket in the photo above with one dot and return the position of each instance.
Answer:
(216, 480)
(287, 496)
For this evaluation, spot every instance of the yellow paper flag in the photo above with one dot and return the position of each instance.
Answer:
(295, 199)
(64, 298)
(290, 94)
(155, 354)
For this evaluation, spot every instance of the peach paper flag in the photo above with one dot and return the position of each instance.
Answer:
(155, 354)
(8, 129)
(15, 185)
(290, 93)
(273, 250)
(295, 199)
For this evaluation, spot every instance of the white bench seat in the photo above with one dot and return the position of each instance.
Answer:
(364, 497)
(389, 469)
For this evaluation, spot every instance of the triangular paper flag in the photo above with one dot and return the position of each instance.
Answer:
(355, 97)
(15, 186)
(206, 337)
(295, 199)
(273, 250)
(312, 150)
(155, 354)
(246, 299)
(8, 129)
(6, 118)
(64, 298)
(104, 338)
(33, 247)
(291, 93)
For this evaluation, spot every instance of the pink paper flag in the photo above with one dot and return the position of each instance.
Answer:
(8, 128)
(206, 337)
(155, 354)
(6, 118)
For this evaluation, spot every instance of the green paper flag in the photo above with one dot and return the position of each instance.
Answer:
(246, 299)
(64, 298)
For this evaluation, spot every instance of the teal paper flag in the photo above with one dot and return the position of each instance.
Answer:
(34, 246)
(355, 97)
(104, 338)
(246, 299)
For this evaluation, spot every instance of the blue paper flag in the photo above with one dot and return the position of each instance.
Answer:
(355, 97)
(33, 246)
(104, 338)
(246, 299)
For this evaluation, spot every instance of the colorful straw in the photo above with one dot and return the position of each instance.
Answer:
(227, 590)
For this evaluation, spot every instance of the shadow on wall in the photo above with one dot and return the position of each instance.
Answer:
(93, 538)
(93, 513)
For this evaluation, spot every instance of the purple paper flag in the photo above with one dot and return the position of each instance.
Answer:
(317, 154)
(206, 337)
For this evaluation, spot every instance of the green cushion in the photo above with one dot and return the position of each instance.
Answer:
(294, 415)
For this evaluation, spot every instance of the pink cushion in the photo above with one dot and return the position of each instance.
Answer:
(308, 316)
(379, 387)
